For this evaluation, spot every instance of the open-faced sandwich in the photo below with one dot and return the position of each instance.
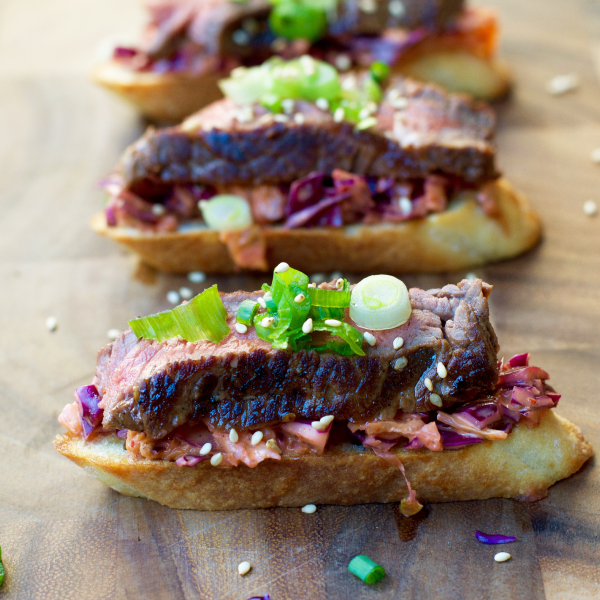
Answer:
(188, 45)
(329, 395)
(300, 165)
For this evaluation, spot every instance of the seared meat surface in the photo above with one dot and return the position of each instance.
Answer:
(425, 132)
(244, 383)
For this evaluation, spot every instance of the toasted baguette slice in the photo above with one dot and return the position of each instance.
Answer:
(523, 466)
(461, 237)
(162, 97)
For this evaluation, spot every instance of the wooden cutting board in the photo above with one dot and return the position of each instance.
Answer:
(64, 535)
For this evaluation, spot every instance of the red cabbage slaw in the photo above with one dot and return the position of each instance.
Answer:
(317, 200)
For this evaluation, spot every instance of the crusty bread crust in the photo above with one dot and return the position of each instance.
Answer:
(459, 238)
(523, 466)
(164, 97)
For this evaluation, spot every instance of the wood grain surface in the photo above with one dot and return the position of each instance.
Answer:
(64, 535)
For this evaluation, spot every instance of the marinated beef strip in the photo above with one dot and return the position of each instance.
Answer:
(211, 24)
(430, 133)
(244, 383)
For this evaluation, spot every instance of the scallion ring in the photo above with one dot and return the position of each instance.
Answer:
(246, 312)
(226, 212)
(380, 302)
(367, 570)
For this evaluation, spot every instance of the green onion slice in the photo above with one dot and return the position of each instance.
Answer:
(380, 302)
(367, 570)
(331, 298)
(226, 212)
(294, 20)
(202, 318)
(247, 311)
(2, 572)
(351, 336)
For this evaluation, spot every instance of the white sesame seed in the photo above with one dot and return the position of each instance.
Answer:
(288, 106)
(326, 420)
(196, 276)
(280, 118)
(435, 399)
(393, 94)
(441, 370)
(561, 84)
(370, 338)
(241, 37)
(309, 509)
(185, 293)
(257, 437)
(205, 449)
(262, 303)
(244, 567)
(428, 384)
(322, 103)
(405, 205)
(399, 103)
(158, 209)
(364, 113)
(217, 459)
(241, 328)
(51, 323)
(307, 327)
(367, 6)
(233, 436)
(173, 297)
(339, 284)
(366, 123)
(267, 321)
(113, 334)
(319, 426)
(349, 83)
(308, 64)
(343, 62)
(268, 296)
(396, 8)
(502, 557)
(299, 298)
(471, 276)
(332, 322)
(398, 343)
(595, 155)
(590, 208)
(282, 267)
(338, 115)
(299, 118)
(312, 285)
(272, 445)
(278, 45)
(400, 363)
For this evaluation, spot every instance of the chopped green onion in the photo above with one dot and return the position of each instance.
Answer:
(330, 298)
(226, 212)
(265, 287)
(320, 313)
(349, 334)
(293, 20)
(380, 302)
(380, 71)
(2, 572)
(246, 312)
(367, 570)
(202, 318)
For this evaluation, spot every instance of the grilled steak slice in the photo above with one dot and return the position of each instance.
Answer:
(212, 23)
(244, 383)
(224, 144)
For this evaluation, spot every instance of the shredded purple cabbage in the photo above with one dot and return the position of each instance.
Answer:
(489, 538)
(452, 439)
(122, 433)
(265, 597)
(90, 413)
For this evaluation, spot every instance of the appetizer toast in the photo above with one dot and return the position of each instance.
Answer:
(343, 175)
(189, 45)
(332, 395)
